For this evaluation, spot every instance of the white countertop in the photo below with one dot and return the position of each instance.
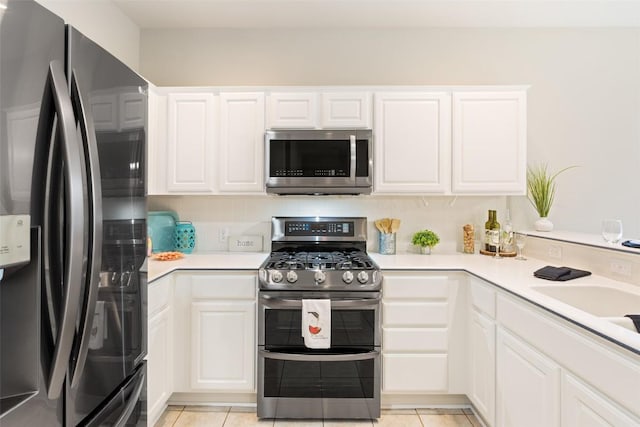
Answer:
(509, 274)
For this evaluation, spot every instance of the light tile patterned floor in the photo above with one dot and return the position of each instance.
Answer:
(211, 416)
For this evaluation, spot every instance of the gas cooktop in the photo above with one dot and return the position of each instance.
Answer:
(315, 253)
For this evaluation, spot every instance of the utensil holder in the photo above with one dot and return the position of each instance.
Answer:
(185, 237)
(387, 243)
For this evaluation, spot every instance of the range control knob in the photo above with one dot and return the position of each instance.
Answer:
(319, 276)
(276, 276)
(347, 277)
(292, 276)
(363, 277)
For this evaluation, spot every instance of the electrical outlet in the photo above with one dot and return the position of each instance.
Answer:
(620, 267)
(555, 252)
(223, 234)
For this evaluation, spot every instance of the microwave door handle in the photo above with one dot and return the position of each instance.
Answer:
(352, 145)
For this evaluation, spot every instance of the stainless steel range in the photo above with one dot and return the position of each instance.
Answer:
(319, 259)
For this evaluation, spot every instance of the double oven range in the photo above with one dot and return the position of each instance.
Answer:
(319, 258)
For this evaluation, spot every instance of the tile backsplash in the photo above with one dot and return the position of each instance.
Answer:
(216, 218)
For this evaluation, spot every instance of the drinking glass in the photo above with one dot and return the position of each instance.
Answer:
(496, 240)
(521, 239)
(612, 230)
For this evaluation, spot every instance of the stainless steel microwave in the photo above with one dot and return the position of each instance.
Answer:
(319, 161)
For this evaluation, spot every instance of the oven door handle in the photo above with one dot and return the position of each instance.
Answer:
(275, 302)
(296, 357)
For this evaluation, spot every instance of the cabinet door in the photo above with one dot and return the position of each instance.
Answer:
(293, 110)
(242, 142)
(489, 142)
(584, 407)
(412, 132)
(482, 359)
(223, 345)
(159, 363)
(190, 161)
(132, 109)
(346, 110)
(527, 385)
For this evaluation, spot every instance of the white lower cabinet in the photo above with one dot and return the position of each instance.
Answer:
(159, 347)
(215, 332)
(528, 385)
(482, 353)
(222, 345)
(419, 332)
(584, 407)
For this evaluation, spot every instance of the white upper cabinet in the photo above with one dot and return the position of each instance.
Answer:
(293, 110)
(346, 110)
(190, 161)
(412, 137)
(427, 140)
(241, 142)
(313, 110)
(489, 142)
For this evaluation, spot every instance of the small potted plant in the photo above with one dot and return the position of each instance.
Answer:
(426, 239)
(541, 191)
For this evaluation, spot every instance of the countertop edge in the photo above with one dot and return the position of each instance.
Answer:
(515, 278)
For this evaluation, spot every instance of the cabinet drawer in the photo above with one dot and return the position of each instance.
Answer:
(415, 339)
(223, 286)
(397, 313)
(419, 286)
(159, 295)
(414, 373)
(483, 297)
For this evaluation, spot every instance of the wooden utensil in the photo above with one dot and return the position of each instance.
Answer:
(395, 225)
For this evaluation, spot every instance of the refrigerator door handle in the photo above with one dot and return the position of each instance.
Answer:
(56, 99)
(131, 403)
(94, 256)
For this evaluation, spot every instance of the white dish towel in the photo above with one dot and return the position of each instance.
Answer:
(316, 323)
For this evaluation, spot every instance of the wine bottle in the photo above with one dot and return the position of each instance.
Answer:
(507, 234)
(491, 226)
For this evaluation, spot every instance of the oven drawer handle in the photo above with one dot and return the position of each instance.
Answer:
(319, 357)
(296, 303)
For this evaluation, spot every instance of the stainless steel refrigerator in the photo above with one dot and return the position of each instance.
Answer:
(72, 227)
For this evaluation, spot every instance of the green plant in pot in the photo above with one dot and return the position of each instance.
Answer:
(426, 239)
(541, 191)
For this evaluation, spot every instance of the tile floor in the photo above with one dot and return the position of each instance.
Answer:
(210, 416)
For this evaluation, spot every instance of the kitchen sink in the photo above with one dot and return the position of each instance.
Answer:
(599, 301)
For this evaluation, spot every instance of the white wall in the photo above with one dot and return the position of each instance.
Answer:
(104, 23)
(584, 101)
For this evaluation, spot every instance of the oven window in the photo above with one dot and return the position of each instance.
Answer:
(349, 328)
(342, 380)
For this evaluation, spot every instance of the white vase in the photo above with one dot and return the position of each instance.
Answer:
(425, 250)
(543, 224)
